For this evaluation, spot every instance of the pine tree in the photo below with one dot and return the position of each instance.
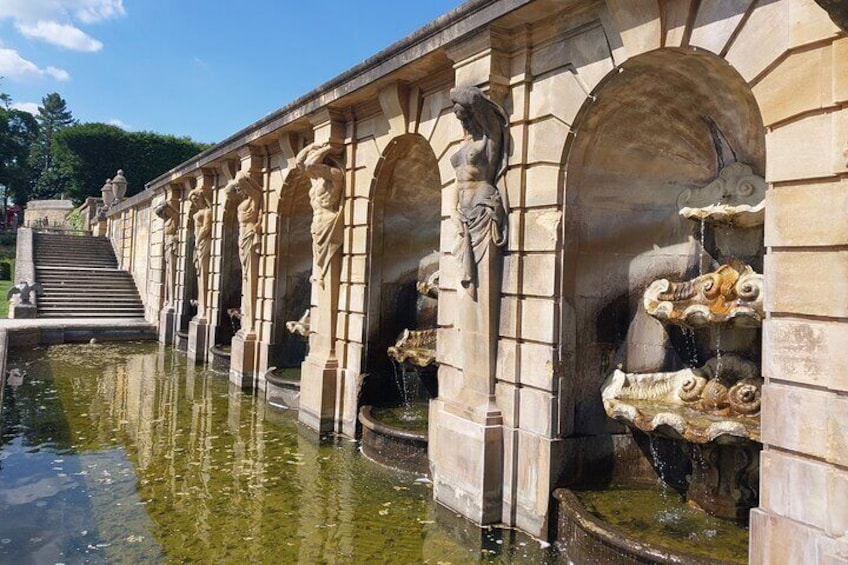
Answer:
(53, 116)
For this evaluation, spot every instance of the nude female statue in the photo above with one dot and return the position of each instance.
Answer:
(325, 196)
(202, 219)
(169, 214)
(479, 163)
(250, 233)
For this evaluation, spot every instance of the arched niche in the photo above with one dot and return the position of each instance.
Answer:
(292, 287)
(231, 276)
(404, 242)
(641, 142)
(189, 286)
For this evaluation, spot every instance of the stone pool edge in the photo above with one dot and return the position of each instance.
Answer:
(30, 333)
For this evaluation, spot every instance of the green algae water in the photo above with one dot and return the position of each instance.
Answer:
(659, 515)
(124, 453)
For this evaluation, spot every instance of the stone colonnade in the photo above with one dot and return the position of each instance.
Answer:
(512, 421)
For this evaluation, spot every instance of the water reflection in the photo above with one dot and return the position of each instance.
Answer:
(126, 454)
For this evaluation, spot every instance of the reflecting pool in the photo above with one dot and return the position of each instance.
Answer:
(123, 453)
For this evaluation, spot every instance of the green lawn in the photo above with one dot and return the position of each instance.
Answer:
(4, 289)
(7, 253)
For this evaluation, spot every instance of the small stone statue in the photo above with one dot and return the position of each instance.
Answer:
(170, 215)
(301, 326)
(250, 235)
(325, 196)
(480, 162)
(202, 218)
(25, 290)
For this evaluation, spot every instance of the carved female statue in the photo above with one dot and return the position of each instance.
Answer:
(202, 218)
(479, 163)
(250, 233)
(169, 214)
(325, 196)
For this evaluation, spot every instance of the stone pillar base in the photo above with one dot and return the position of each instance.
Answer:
(243, 361)
(198, 337)
(318, 394)
(466, 458)
(166, 326)
(19, 311)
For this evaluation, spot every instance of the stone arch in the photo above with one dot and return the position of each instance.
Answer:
(641, 141)
(292, 287)
(404, 223)
(791, 57)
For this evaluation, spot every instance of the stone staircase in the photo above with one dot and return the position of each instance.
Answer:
(80, 279)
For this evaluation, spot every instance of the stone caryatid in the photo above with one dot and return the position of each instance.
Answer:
(170, 228)
(248, 193)
(480, 162)
(732, 294)
(201, 216)
(318, 162)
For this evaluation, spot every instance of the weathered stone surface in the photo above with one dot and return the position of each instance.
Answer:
(772, 29)
(796, 488)
(795, 215)
(638, 24)
(537, 320)
(806, 352)
(794, 418)
(716, 22)
(800, 149)
(798, 84)
(807, 282)
(675, 18)
(776, 539)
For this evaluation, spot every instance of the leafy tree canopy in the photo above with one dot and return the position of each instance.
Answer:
(53, 116)
(18, 132)
(91, 153)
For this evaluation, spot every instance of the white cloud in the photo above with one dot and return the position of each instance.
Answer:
(13, 66)
(85, 11)
(58, 74)
(30, 107)
(63, 35)
(118, 123)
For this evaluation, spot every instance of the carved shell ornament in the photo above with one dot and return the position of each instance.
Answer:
(732, 294)
(699, 404)
(736, 197)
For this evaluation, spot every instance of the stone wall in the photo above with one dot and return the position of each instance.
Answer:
(780, 65)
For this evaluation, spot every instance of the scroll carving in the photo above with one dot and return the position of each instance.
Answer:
(730, 295)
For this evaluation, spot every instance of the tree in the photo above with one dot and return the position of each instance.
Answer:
(90, 153)
(18, 132)
(53, 116)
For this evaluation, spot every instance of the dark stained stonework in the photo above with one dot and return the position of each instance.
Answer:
(838, 11)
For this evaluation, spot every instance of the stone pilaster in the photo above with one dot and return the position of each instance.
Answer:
(319, 373)
(245, 344)
(466, 425)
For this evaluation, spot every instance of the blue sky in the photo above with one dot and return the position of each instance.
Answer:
(201, 68)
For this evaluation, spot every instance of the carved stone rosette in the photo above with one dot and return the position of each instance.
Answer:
(730, 295)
